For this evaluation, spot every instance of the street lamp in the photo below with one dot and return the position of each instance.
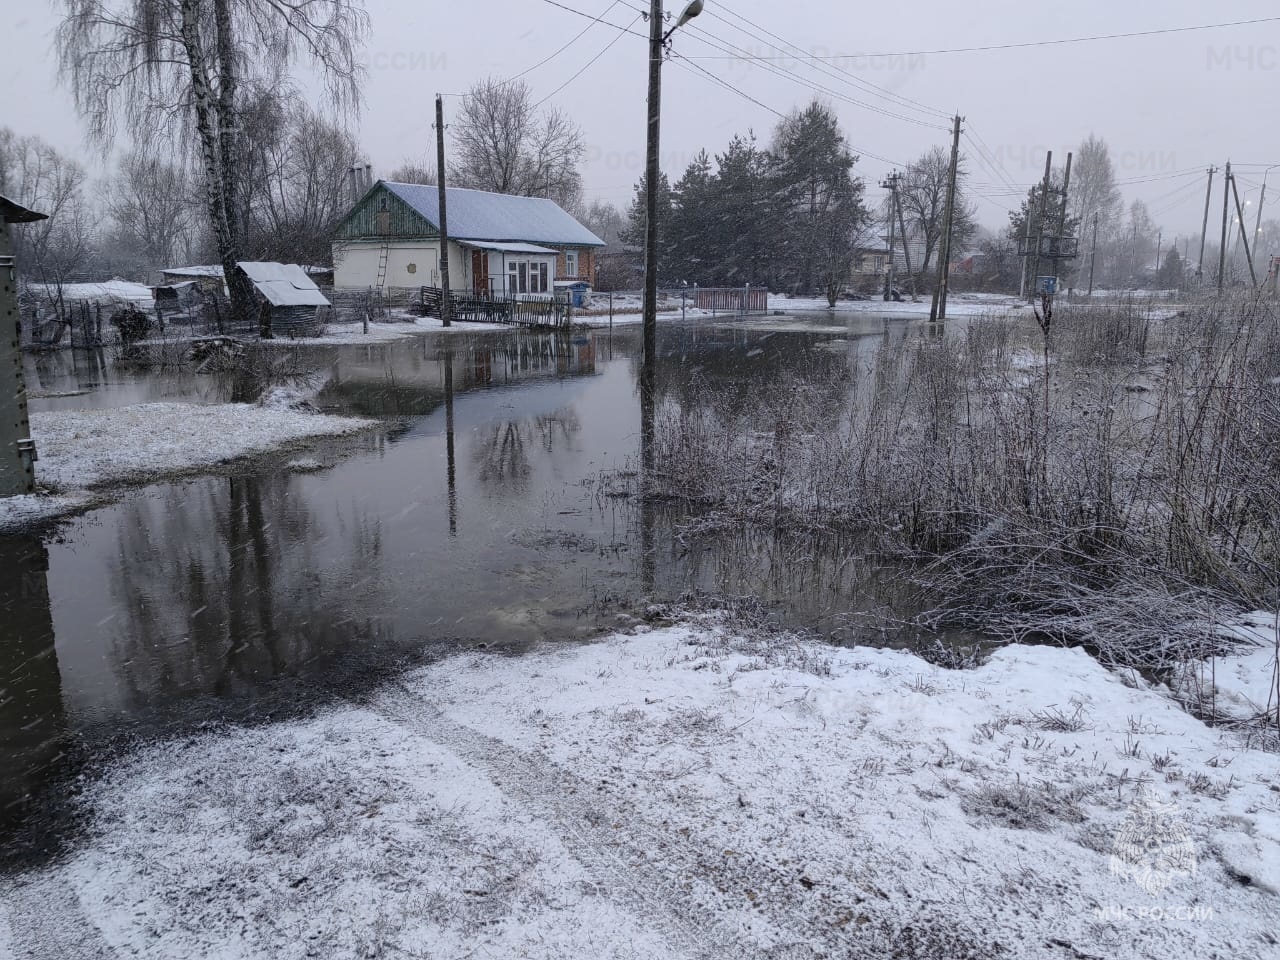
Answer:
(649, 315)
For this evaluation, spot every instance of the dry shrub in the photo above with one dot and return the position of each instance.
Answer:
(1130, 511)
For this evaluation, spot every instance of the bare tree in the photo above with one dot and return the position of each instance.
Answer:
(924, 203)
(33, 173)
(298, 191)
(507, 146)
(414, 171)
(152, 203)
(186, 63)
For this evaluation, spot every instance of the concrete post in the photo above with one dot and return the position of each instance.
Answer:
(17, 451)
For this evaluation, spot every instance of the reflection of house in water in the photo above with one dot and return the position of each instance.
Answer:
(407, 378)
(32, 721)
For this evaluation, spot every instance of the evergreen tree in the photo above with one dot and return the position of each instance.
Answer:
(632, 234)
(818, 201)
(1170, 274)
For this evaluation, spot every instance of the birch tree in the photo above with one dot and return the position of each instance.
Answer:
(185, 65)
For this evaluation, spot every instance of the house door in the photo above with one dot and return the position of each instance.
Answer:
(480, 271)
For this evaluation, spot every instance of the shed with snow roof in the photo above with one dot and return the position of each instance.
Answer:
(498, 243)
(287, 295)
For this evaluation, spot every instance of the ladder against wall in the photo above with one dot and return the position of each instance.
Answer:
(383, 255)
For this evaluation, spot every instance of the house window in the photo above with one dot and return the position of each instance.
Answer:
(571, 263)
(524, 276)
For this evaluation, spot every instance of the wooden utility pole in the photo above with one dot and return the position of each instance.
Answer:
(892, 185)
(1040, 217)
(1159, 248)
(1062, 215)
(1026, 257)
(938, 310)
(1240, 216)
(446, 302)
(1222, 252)
(1093, 252)
(906, 247)
(649, 306)
(1204, 227)
(1257, 224)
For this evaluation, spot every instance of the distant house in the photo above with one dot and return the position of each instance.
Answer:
(870, 262)
(498, 244)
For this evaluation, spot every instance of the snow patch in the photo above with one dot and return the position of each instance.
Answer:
(690, 791)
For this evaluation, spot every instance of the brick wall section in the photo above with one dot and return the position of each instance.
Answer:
(587, 257)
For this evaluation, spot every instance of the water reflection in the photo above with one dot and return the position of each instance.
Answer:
(32, 716)
(477, 519)
(222, 586)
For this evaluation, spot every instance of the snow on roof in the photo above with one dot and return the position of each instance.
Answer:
(208, 270)
(506, 247)
(480, 215)
(283, 284)
(107, 290)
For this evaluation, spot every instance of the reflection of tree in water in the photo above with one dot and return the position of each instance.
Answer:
(32, 721)
(501, 449)
(501, 456)
(224, 585)
(556, 427)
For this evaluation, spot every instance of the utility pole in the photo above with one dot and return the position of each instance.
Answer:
(1093, 253)
(17, 451)
(1204, 227)
(1159, 248)
(1062, 217)
(1240, 216)
(1044, 206)
(938, 310)
(1222, 252)
(446, 303)
(906, 247)
(649, 315)
(890, 184)
(1026, 257)
(1257, 226)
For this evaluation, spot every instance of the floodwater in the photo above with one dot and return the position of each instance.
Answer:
(476, 517)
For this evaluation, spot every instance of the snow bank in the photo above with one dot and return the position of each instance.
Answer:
(686, 793)
(85, 450)
(1244, 685)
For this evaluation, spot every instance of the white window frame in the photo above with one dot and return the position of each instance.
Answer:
(571, 263)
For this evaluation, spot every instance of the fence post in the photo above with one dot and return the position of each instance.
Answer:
(611, 311)
(746, 299)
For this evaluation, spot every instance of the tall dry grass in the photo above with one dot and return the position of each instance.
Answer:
(1130, 506)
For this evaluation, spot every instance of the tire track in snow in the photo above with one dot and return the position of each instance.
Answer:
(685, 886)
(46, 922)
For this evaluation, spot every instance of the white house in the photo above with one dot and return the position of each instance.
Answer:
(498, 244)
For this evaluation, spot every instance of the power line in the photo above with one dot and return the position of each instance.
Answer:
(682, 60)
(599, 19)
(578, 36)
(839, 74)
(1037, 43)
(621, 33)
(717, 43)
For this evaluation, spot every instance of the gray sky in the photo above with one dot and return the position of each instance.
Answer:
(1166, 104)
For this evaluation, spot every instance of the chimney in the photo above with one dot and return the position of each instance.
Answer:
(368, 175)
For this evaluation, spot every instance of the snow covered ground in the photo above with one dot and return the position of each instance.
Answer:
(82, 452)
(685, 792)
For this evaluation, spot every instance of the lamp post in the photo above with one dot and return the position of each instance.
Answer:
(649, 315)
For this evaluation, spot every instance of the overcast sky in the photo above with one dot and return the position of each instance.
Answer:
(1167, 105)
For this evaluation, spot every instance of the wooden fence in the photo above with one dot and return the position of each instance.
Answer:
(514, 311)
(731, 299)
